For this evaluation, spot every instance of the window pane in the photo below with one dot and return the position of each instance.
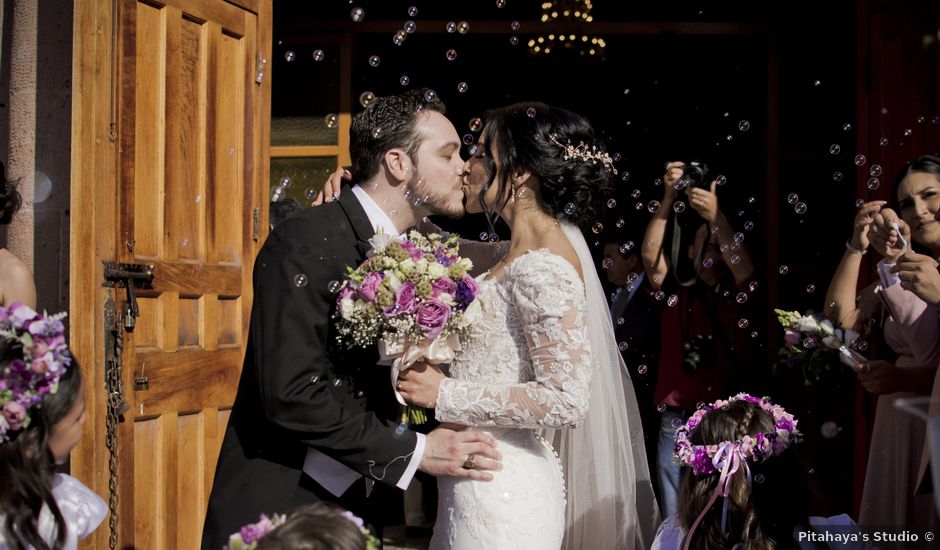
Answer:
(304, 91)
(306, 175)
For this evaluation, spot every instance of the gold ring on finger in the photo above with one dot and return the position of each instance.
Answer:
(470, 462)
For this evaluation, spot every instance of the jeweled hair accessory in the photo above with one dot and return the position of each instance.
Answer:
(727, 457)
(35, 355)
(585, 153)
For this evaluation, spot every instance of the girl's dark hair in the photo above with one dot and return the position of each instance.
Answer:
(319, 526)
(9, 197)
(761, 517)
(27, 469)
(926, 164)
(522, 136)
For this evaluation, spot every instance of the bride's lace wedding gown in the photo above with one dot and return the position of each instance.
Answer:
(526, 366)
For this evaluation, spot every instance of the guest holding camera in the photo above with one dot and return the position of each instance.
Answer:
(705, 321)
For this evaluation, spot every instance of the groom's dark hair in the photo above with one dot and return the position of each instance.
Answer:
(388, 123)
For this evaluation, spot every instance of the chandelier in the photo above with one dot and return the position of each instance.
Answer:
(567, 11)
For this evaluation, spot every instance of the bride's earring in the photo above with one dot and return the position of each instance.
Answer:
(512, 193)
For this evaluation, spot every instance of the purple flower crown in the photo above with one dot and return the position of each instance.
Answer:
(35, 355)
(708, 459)
(248, 536)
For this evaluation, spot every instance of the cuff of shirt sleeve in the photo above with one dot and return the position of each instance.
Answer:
(888, 279)
(416, 456)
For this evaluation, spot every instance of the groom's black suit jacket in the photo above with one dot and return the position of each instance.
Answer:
(298, 388)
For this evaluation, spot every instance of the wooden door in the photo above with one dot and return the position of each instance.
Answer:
(178, 182)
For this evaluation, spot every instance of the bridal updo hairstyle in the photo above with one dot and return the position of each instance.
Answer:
(760, 517)
(575, 189)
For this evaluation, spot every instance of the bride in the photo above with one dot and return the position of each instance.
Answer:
(540, 371)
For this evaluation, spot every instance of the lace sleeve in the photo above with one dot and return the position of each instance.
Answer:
(548, 297)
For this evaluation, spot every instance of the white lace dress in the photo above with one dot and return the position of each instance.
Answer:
(527, 366)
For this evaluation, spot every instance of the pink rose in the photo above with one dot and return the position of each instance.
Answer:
(431, 317)
(442, 285)
(405, 300)
(412, 250)
(370, 285)
(15, 415)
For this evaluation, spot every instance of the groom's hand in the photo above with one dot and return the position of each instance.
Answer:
(446, 452)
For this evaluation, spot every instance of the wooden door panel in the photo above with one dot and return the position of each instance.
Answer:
(186, 183)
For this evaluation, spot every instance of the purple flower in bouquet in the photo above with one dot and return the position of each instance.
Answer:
(346, 292)
(406, 300)
(701, 463)
(442, 285)
(370, 285)
(791, 338)
(431, 316)
(466, 291)
(443, 257)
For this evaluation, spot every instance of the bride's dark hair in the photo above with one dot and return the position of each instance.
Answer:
(27, 470)
(531, 136)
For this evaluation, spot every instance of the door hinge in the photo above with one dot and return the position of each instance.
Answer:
(260, 64)
(256, 224)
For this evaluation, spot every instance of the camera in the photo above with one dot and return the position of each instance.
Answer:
(698, 353)
(695, 174)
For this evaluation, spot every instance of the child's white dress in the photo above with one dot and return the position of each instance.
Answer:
(81, 508)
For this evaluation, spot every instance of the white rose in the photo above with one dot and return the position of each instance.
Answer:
(406, 266)
(473, 314)
(465, 263)
(447, 299)
(393, 282)
(421, 266)
(347, 307)
(827, 328)
(436, 271)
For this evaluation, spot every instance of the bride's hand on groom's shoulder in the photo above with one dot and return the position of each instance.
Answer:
(333, 186)
(469, 454)
(419, 384)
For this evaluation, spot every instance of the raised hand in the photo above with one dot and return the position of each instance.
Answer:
(884, 238)
(671, 178)
(460, 454)
(705, 202)
(918, 274)
(332, 187)
(862, 224)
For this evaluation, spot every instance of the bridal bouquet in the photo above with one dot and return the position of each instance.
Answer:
(812, 343)
(412, 297)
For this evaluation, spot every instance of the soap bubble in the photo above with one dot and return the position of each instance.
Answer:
(875, 170)
(744, 126)
(318, 55)
(330, 120)
(834, 149)
(451, 55)
(800, 208)
(300, 280)
(410, 27)
(289, 55)
(475, 124)
(404, 80)
(793, 198)
(366, 98)
(873, 183)
(653, 206)
(374, 61)
(451, 27)
(463, 27)
(860, 160)
(357, 14)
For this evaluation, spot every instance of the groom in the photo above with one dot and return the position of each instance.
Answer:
(312, 421)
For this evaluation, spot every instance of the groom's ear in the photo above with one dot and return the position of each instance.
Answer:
(398, 164)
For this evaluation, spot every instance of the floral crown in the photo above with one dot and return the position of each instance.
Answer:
(709, 459)
(39, 357)
(248, 536)
(585, 153)
(728, 457)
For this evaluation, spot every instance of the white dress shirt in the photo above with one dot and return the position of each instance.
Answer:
(333, 475)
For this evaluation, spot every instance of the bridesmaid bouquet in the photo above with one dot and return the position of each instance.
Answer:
(812, 342)
(413, 298)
